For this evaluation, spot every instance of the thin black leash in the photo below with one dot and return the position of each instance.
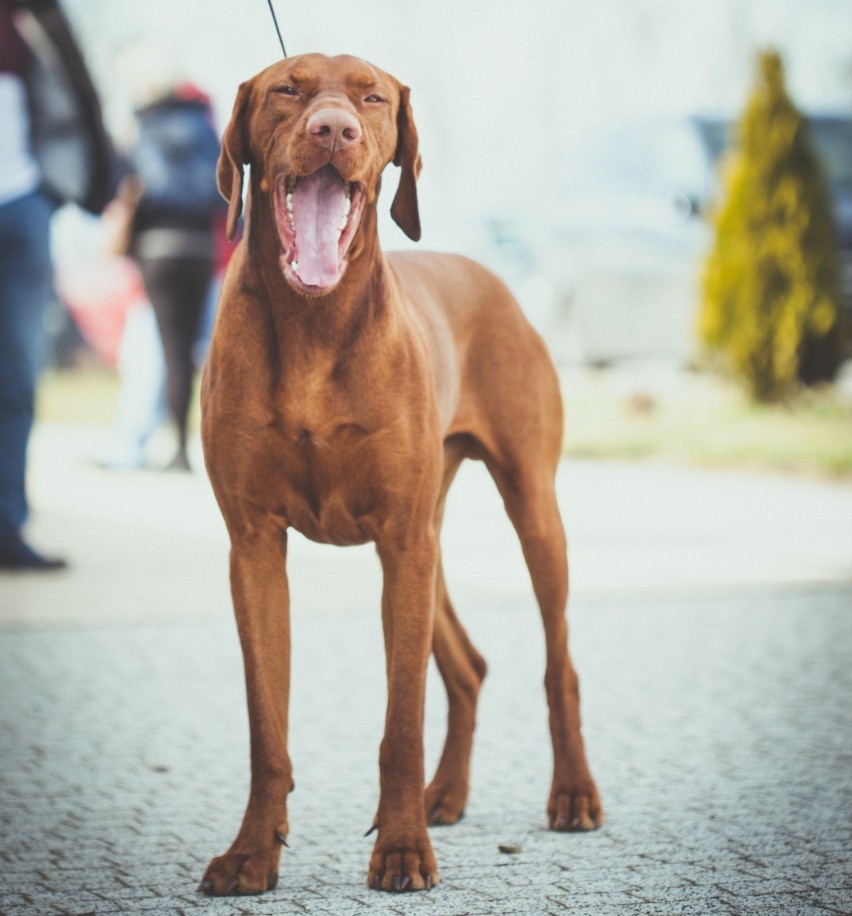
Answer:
(275, 20)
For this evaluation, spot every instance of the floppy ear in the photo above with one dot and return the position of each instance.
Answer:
(404, 209)
(234, 155)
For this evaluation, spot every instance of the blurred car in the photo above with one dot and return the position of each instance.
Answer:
(630, 234)
(629, 240)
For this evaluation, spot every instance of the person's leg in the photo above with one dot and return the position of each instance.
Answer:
(25, 287)
(177, 288)
(141, 400)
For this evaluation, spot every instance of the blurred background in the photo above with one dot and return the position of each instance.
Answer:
(573, 148)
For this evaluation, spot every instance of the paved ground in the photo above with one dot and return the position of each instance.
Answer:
(711, 623)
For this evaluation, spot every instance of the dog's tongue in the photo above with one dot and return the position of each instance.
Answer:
(318, 208)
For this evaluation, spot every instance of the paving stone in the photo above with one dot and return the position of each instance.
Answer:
(108, 832)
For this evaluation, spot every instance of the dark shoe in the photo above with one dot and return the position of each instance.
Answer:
(16, 554)
(180, 462)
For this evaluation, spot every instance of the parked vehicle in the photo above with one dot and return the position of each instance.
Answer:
(631, 232)
(629, 241)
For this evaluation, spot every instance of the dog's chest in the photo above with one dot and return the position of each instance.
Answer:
(327, 513)
(328, 450)
(317, 420)
(317, 457)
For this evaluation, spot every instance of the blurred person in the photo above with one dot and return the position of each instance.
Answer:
(53, 149)
(142, 400)
(172, 232)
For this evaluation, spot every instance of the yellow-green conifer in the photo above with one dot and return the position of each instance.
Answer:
(771, 282)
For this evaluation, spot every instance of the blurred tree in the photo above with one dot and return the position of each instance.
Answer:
(771, 283)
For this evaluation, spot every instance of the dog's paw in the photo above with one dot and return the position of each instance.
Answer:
(238, 873)
(399, 867)
(444, 804)
(575, 808)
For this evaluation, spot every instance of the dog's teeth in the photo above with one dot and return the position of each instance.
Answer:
(294, 265)
(347, 207)
(290, 202)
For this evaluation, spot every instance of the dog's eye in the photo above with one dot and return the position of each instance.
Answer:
(374, 98)
(285, 90)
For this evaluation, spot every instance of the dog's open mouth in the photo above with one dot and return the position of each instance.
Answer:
(317, 217)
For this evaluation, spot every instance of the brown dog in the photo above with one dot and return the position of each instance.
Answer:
(342, 391)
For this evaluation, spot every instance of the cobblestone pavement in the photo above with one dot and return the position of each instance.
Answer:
(717, 717)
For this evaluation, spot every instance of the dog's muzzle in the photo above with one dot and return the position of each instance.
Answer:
(317, 217)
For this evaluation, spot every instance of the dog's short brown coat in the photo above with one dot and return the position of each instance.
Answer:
(344, 412)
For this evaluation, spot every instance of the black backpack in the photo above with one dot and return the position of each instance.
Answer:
(176, 157)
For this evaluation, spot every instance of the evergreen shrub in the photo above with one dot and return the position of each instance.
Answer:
(771, 284)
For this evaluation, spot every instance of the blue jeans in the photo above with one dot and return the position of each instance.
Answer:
(26, 281)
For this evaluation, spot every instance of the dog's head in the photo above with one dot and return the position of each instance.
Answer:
(319, 131)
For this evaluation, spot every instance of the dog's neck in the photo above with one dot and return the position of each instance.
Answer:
(330, 320)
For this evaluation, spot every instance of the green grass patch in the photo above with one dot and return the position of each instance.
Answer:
(79, 395)
(711, 424)
(609, 415)
(90, 395)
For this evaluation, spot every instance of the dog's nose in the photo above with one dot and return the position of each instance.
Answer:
(334, 128)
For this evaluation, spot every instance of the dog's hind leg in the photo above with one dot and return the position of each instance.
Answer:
(530, 499)
(462, 669)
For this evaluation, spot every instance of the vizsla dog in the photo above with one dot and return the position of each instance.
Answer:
(343, 389)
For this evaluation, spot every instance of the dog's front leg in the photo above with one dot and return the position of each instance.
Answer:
(402, 857)
(261, 605)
